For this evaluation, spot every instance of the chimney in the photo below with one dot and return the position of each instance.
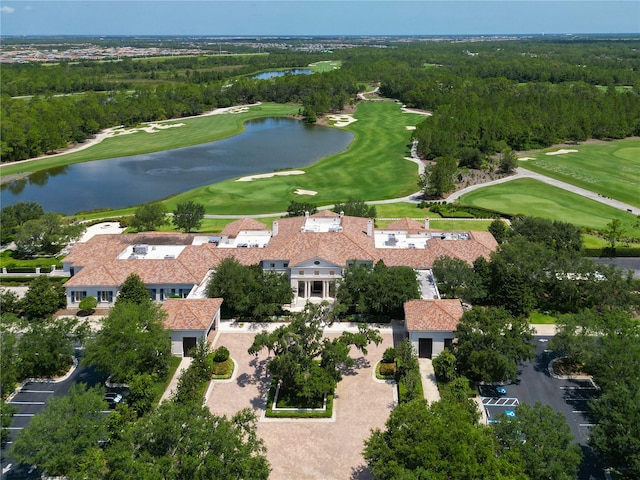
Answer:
(426, 223)
(341, 214)
(370, 228)
(306, 213)
(274, 229)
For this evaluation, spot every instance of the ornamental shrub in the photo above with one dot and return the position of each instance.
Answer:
(221, 354)
(389, 355)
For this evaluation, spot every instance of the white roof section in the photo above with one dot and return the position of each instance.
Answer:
(322, 224)
(151, 252)
(402, 239)
(247, 239)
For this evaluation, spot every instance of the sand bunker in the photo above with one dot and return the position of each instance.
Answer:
(300, 191)
(251, 178)
(562, 151)
(219, 111)
(526, 158)
(415, 110)
(341, 120)
(410, 127)
(149, 128)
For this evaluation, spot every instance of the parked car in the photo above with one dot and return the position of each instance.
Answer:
(113, 399)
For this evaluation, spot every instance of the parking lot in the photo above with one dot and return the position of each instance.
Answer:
(567, 396)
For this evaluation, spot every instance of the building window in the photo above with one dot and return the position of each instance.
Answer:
(300, 272)
(332, 272)
(77, 296)
(272, 265)
(286, 265)
(105, 296)
(316, 272)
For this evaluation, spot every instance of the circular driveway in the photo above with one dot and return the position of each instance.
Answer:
(309, 449)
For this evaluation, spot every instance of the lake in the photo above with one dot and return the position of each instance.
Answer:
(266, 145)
(282, 73)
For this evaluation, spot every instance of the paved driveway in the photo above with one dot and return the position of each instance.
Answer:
(309, 449)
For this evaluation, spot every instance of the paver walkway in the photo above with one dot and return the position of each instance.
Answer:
(428, 376)
(322, 449)
(173, 384)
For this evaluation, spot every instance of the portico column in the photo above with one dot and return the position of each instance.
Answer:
(307, 289)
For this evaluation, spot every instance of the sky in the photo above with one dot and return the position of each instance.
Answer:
(317, 17)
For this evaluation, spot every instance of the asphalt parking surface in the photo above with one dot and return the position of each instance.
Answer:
(31, 400)
(567, 396)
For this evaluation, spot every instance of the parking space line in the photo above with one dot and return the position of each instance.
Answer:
(27, 403)
(23, 414)
(587, 424)
(14, 428)
(36, 391)
(577, 388)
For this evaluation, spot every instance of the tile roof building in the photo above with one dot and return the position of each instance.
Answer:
(312, 250)
(431, 324)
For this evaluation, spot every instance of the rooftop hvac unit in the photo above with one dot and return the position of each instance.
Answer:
(141, 249)
(169, 256)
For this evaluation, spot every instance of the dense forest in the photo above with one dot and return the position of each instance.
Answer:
(484, 95)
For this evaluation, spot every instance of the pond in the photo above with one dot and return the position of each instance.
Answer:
(282, 73)
(266, 145)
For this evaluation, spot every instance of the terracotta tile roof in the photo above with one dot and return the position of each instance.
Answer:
(406, 224)
(325, 214)
(432, 315)
(232, 229)
(100, 266)
(191, 313)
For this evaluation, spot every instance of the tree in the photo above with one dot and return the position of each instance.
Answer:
(8, 367)
(491, 344)
(14, 216)
(305, 363)
(354, 207)
(499, 230)
(439, 441)
(380, 290)
(470, 157)
(508, 160)
(88, 304)
(616, 435)
(188, 216)
(58, 438)
(46, 349)
(187, 441)
(9, 302)
(46, 234)
(149, 216)
(613, 232)
(133, 290)
(457, 279)
(556, 235)
(299, 209)
(438, 179)
(541, 441)
(444, 366)
(132, 342)
(248, 291)
(43, 298)
(6, 418)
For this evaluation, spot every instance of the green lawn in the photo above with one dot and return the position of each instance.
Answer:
(611, 169)
(372, 168)
(324, 66)
(194, 131)
(533, 198)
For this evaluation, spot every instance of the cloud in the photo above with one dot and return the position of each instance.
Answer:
(7, 9)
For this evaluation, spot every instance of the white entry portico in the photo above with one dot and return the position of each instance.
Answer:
(314, 278)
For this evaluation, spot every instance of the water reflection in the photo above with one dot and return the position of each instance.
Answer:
(266, 145)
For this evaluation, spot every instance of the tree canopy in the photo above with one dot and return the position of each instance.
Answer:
(46, 234)
(355, 207)
(439, 441)
(188, 216)
(491, 344)
(59, 438)
(299, 209)
(303, 360)
(132, 342)
(380, 290)
(133, 290)
(187, 441)
(248, 291)
(43, 298)
(149, 216)
(539, 440)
